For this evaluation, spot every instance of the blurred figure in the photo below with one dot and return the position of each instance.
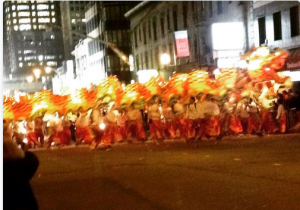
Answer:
(169, 119)
(155, 124)
(30, 134)
(97, 118)
(18, 168)
(121, 123)
(200, 122)
(281, 116)
(243, 113)
(83, 132)
(180, 121)
(254, 121)
(19, 132)
(39, 128)
(212, 118)
(191, 117)
(134, 124)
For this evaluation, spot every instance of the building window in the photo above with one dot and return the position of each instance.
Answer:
(140, 33)
(219, 7)
(24, 20)
(24, 14)
(43, 13)
(262, 30)
(149, 29)
(135, 38)
(210, 7)
(145, 34)
(154, 28)
(294, 18)
(42, 7)
(168, 20)
(277, 26)
(162, 25)
(44, 20)
(175, 18)
(184, 13)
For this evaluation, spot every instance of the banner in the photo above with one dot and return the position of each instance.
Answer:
(182, 44)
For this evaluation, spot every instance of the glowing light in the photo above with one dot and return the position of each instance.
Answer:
(37, 73)
(29, 79)
(255, 64)
(263, 51)
(43, 79)
(132, 81)
(165, 59)
(48, 70)
(102, 126)
(217, 71)
(40, 106)
(267, 69)
(25, 140)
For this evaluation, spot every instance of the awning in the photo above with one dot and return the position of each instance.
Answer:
(293, 60)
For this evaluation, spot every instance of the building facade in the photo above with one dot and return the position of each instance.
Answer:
(105, 21)
(72, 20)
(32, 42)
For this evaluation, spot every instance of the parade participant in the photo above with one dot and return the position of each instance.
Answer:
(212, 117)
(191, 117)
(254, 121)
(51, 121)
(281, 116)
(64, 134)
(121, 123)
(97, 118)
(200, 122)
(231, 123)
(267, 120)
(169, 117)
(19, 132)
(112, 115)
(155, 124)
(135, 124)
(243, 113)
(83, 132)
(30, 135)
(180, 121)
(72, 118)
(39, 128)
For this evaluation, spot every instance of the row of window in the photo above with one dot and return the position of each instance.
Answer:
(33, 20)
(26, 27)
(32, 7)
(27, 14)
(294, 25)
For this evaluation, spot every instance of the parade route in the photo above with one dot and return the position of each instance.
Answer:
(235, 173)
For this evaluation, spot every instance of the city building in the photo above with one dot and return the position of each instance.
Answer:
(34, 46)
(105, 21)
(153, 25)
(73, 23)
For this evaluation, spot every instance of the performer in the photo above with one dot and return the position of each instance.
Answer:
(200, 121)
(281, 116)
(267, 120)
(169, 120)
(19, 132)
(112, 115)
(135, 124)
(191, 119)
(83, 132)
(30, 135)
(254, 121)
(39, 128)
(180, 121)
(96, 119)
(231, 123)
(121, 123)
(72, 118)
(155, 124)
(64, 134)
(212, 117)
(51, 121)
(243, 113)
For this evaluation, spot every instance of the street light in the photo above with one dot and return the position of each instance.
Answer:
(29, 79)
(165, 59)
(37, 73)
(48, 70)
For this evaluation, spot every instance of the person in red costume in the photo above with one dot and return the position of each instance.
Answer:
(268, 123)
(121, 123)
(30, 134)
(155, 124)
(281, 116)
(191, 118)
(169, 121)
(200, 122)
(212, 117)
(39, 127)
(180, 120)
(254, 121)
(134, 124)
(83, 132)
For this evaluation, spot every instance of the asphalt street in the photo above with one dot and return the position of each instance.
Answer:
(235, 173)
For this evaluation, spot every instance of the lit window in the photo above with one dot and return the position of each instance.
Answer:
(8, 15)
(77, 14)
(28, 58)
(19, 51)
(51, 63)
(53, 20)
(24, 20)
(14, 14)
(73, 21)
(33, 13)
(44, 13)
(20, 58)
(24, 14)
(52, 13)
(25, 27)
(23, 7)
(16, 28)
(13, 7)
(8, 28)
(84, 20)
(42, 7)
(40, 57)
(34, 27)
(32, 7)
(44, 20)
(15, 21)
(52, 37)
(41, 27)
(29, 52)
(33, 20)
(21, 65)
(52, 6)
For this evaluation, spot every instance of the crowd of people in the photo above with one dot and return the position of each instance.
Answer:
(203, 117)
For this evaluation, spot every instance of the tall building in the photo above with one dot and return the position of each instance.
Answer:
(73, 20)
(105, 21)
(33, 43)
